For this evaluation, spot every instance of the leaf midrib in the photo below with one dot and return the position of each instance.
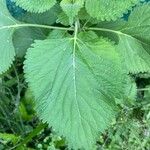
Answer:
(74, 67)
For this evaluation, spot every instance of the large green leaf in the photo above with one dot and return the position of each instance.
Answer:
(74, 81)
(24, 37)
(133, 38)
(46, 18)
(71, 8)
(7, 51)
(138, 25)
(108, 9)
(37, 6)
(135, 57)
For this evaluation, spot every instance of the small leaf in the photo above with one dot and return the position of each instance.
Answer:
(9, 137)
(71, 8)
(7, 51)
(130, 95)
(63, 19)
(72, 79)
(37, 6)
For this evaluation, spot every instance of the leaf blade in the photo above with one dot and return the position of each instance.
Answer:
(36, 6)
(108, 10)
(7, 52)
(132, 38)
(66, 96)
(71, 8)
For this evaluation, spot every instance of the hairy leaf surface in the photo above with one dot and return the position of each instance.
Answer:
(138, 24)
(37, 6)
(24, 37)
(134, 39)
(46, 18)
(134, 55)
(71, 8)
(135, 43)
(63, 19)
(7, 51)
(74, 81)
(108, 9)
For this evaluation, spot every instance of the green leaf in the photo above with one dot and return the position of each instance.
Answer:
(130, 96)
(135, 40)
(74, 81)
(138, 25)
(24, 37)
(71, 8)
(10, 137)
(7, 51)
(37, 6)
(57, 34)
(134, 55)
(109, 9)
(63, 19)
(133, 37)
(46, 18)
(131, 90)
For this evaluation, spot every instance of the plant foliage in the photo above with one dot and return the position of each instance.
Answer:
(36, 6)
(76, 65)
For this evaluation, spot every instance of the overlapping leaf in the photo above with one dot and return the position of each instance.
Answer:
(71, 8)
(109, 9)
(135, 42)
(135, 56)
(74, 81)
(37, 6)
(46, 18)
(24, 37)
(138, 25)
(7, 51)
(134, 39)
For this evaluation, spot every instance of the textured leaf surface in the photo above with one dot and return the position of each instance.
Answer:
(71, 8)
(136, 41)
(57, 34)
(24, 37)
(46, 18)
(130, 93)
(63, 19)
(134, 38)
(108, 9)
(138, 24)
(7, 51)
(37, 6)
(74, 81)
(134, 55)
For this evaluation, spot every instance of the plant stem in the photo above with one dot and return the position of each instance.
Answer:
(144, 89)
(104, 29)
(114, 31)
(36, 26)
